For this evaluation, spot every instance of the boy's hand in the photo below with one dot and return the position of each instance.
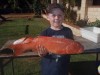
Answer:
(42, 51)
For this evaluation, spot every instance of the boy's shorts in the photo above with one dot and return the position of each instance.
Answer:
(55, 65)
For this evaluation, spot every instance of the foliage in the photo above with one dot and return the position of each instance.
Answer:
(70, 15)
(96, 23)
(37, 7)
(23, 6)
(40, 6)
(10, 6)
(81, 23)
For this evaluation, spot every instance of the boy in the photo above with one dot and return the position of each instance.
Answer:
(52, 64)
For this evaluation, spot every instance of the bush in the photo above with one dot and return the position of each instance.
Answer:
(95, 24)
(81, 23)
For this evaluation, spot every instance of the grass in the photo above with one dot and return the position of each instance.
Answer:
(30, 66)
(24, 66)
(16, 28)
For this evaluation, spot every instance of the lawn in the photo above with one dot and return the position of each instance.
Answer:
(15, 29)
(30, 66)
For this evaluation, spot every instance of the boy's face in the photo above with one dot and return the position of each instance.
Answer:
(56, 18)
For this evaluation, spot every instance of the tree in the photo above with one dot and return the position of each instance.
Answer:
(37, 7)
(69, 13)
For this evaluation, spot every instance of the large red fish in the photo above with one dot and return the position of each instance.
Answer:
(52, 45)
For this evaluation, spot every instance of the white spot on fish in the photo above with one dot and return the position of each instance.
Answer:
(18, 41)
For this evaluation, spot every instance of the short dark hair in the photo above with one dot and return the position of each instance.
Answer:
(53, 6)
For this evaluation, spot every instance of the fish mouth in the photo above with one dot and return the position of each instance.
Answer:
(6, 51)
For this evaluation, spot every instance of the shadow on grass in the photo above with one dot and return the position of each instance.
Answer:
(83, 68)
(3, 21)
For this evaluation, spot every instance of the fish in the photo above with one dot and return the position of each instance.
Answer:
(51, 44)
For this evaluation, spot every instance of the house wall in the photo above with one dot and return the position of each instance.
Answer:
(93, 13)
(84, 8)
(88, 11)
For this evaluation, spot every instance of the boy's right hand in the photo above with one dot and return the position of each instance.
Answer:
(42, 51)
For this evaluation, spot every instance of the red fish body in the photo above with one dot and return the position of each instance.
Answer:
(52, 45)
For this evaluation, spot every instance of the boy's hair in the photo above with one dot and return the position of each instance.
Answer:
(53, 6)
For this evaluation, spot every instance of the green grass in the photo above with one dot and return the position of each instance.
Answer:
(16, 29)
(24, 66)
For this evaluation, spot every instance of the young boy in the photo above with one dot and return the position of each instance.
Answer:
(52, 64)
